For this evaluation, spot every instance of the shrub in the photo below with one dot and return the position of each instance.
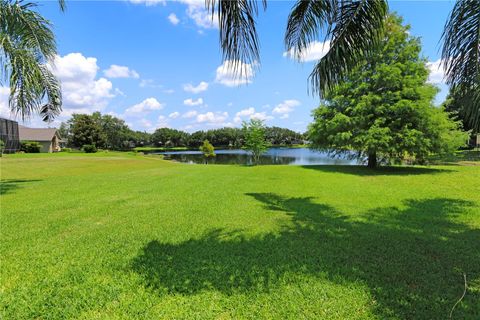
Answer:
(89, 148)
(30, 146)
(66, 150)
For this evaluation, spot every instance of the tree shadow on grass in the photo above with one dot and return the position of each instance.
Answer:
(380, 171)
(411, 258)
(9, 185)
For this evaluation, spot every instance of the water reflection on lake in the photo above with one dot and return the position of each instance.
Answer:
(290, 156)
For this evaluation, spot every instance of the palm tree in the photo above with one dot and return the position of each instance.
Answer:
(353, 28)
(461, 57)
(27, 44)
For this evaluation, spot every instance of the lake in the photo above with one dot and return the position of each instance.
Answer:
(286, 156)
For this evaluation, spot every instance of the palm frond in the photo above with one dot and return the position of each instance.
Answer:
(27, 44)
(53, 94)
(461, 57)
(357, 29)
(238, 34)
(28, 28)
(306, 22)
(461, 44)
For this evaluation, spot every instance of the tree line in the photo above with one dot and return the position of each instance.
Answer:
(109, 132)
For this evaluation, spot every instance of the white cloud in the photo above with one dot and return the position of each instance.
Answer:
(172, 17)
(147, 105)
(190, 114)
(212, 118)
(174, 115)
(261, 116)
(144, 83)
(286, 106)
(243, 113)
(202, 86)
(80, 87)
(284, 116)
(197, 12)
(233, 74)
(191, 102)
(250, 113)
(436, 72)
(149, 2)
(116, 71)
(315, 51)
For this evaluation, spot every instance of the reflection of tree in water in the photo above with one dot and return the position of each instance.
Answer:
(231, 159)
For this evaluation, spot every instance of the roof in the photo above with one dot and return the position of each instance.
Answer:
(36, 134)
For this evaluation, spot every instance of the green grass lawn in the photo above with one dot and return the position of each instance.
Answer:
(119, 236)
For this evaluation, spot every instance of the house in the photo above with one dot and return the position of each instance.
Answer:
(49, 138)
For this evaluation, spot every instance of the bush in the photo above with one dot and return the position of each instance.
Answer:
(66, 150)
(89, 148)
(30, 146)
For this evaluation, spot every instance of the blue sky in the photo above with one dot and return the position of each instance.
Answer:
(157, 63)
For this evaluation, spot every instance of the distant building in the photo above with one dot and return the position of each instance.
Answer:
(49, 138)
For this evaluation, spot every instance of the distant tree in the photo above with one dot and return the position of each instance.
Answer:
(208, 150)
(282, 136)
(64, 132)
(115, 131)
(139, 138)
(384, 109)
(255, 142)
(2, 147)
(85, 130)
(459, 105)
(166, 137)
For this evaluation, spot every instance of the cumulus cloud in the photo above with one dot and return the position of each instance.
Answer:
(191, 102)
(190, 114)
(286, 107)
(261, 116)
(227, 76)
(174, 115)
(315, 51)
(172, 17)
(202, 86)
(243, 113)
(250, 113)
(116, 71)
(80, 87)
(197, 12)
(212, 118)
(147, 105)
(436, 72)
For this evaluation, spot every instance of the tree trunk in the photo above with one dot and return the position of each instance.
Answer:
(372, 160)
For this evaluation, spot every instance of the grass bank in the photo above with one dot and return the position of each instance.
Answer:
(123, 236)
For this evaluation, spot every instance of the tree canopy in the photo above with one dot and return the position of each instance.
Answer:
(255, 141)
(384, 109)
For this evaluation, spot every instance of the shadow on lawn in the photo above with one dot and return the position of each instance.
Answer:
(411, 258)
(9, 185)
(380, 171)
